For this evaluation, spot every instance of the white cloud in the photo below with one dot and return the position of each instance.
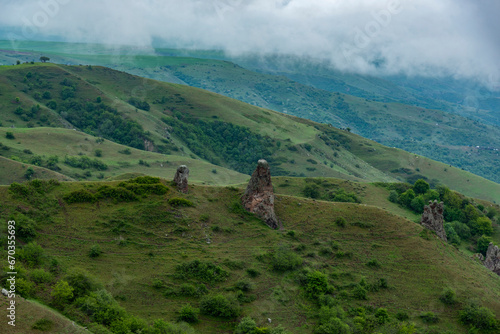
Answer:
(458, 37)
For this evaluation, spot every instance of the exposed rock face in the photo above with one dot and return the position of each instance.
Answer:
(492, 259)
(433, 219)
(259, 196)
(181, 179)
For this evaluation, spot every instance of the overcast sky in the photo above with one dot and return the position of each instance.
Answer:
(459, 37)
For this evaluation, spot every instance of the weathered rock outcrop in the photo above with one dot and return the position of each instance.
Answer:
(433, 219)
(259, 195)
(181, 179)
(492, 259)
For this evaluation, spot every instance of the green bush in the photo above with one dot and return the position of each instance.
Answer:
(421, 187)
(62, 293)
(188, 314)
(393, 196)
(359, 292)
(317, 284)
(334, 325)
(81, 282)
(483, 243)
(84, 162)
(95, 251)
(402, 316)
(43, 325)
(382, 316)
(253, 272)
(374, 263)
(203, 271)
(41, 276)
(145, 189)
(479, 317)
(246, 326)
(448, 296)
(341, 222)
(31, 254)
(283, 259)
(452, 235)
(429, 317)
(483, 226)
(220, 306)
(9, 135)
(101, 307)
(25, 287)
(25, 229)
(117, 193)
(311, 191)
(80, 196)
(180, 202)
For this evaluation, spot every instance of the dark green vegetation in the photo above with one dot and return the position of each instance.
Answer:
(191, 126)
(149, 263)
(390, 111)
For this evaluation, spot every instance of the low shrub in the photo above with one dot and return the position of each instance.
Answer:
(478, 317)
(117, 193)
(176, 202)
(220, 306)
(317, 284)
(374, 263)
(429, 317)
(402, 316)
(95, 251)
(341, 222)
(31, 254)
(188, 314)
(253, 272)
(203, 271)
(41, 276)
(448, 296)
(283, 259)
(43, 325)
(80, 196)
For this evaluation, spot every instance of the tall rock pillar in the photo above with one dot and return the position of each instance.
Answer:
(259, 195)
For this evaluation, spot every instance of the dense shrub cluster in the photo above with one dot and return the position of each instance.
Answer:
(220, 306)
(221, 142)
(283, 259)
(176, 201)
(202, 271)
(84, 162)
(464, 219)
(313, 190)
(143, 105)
(80, 196)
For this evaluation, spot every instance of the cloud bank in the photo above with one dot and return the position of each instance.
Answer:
(425, 37)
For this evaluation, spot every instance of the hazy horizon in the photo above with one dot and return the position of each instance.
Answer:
(431, 38)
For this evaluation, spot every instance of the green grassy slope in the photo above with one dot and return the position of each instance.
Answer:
(142, 242)
(294, 146)
(60, 142)
(441, 136)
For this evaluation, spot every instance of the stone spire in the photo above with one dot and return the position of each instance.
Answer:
(181, 179)
(433, 219)
(259, 195)
(492, 259)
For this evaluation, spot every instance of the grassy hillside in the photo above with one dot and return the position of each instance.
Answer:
(190, 123)
(141, 251)
(446, 137)
(115, 159)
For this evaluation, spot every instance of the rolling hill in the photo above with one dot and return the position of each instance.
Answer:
(186, 122)
(464, 136)
(145, 259)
